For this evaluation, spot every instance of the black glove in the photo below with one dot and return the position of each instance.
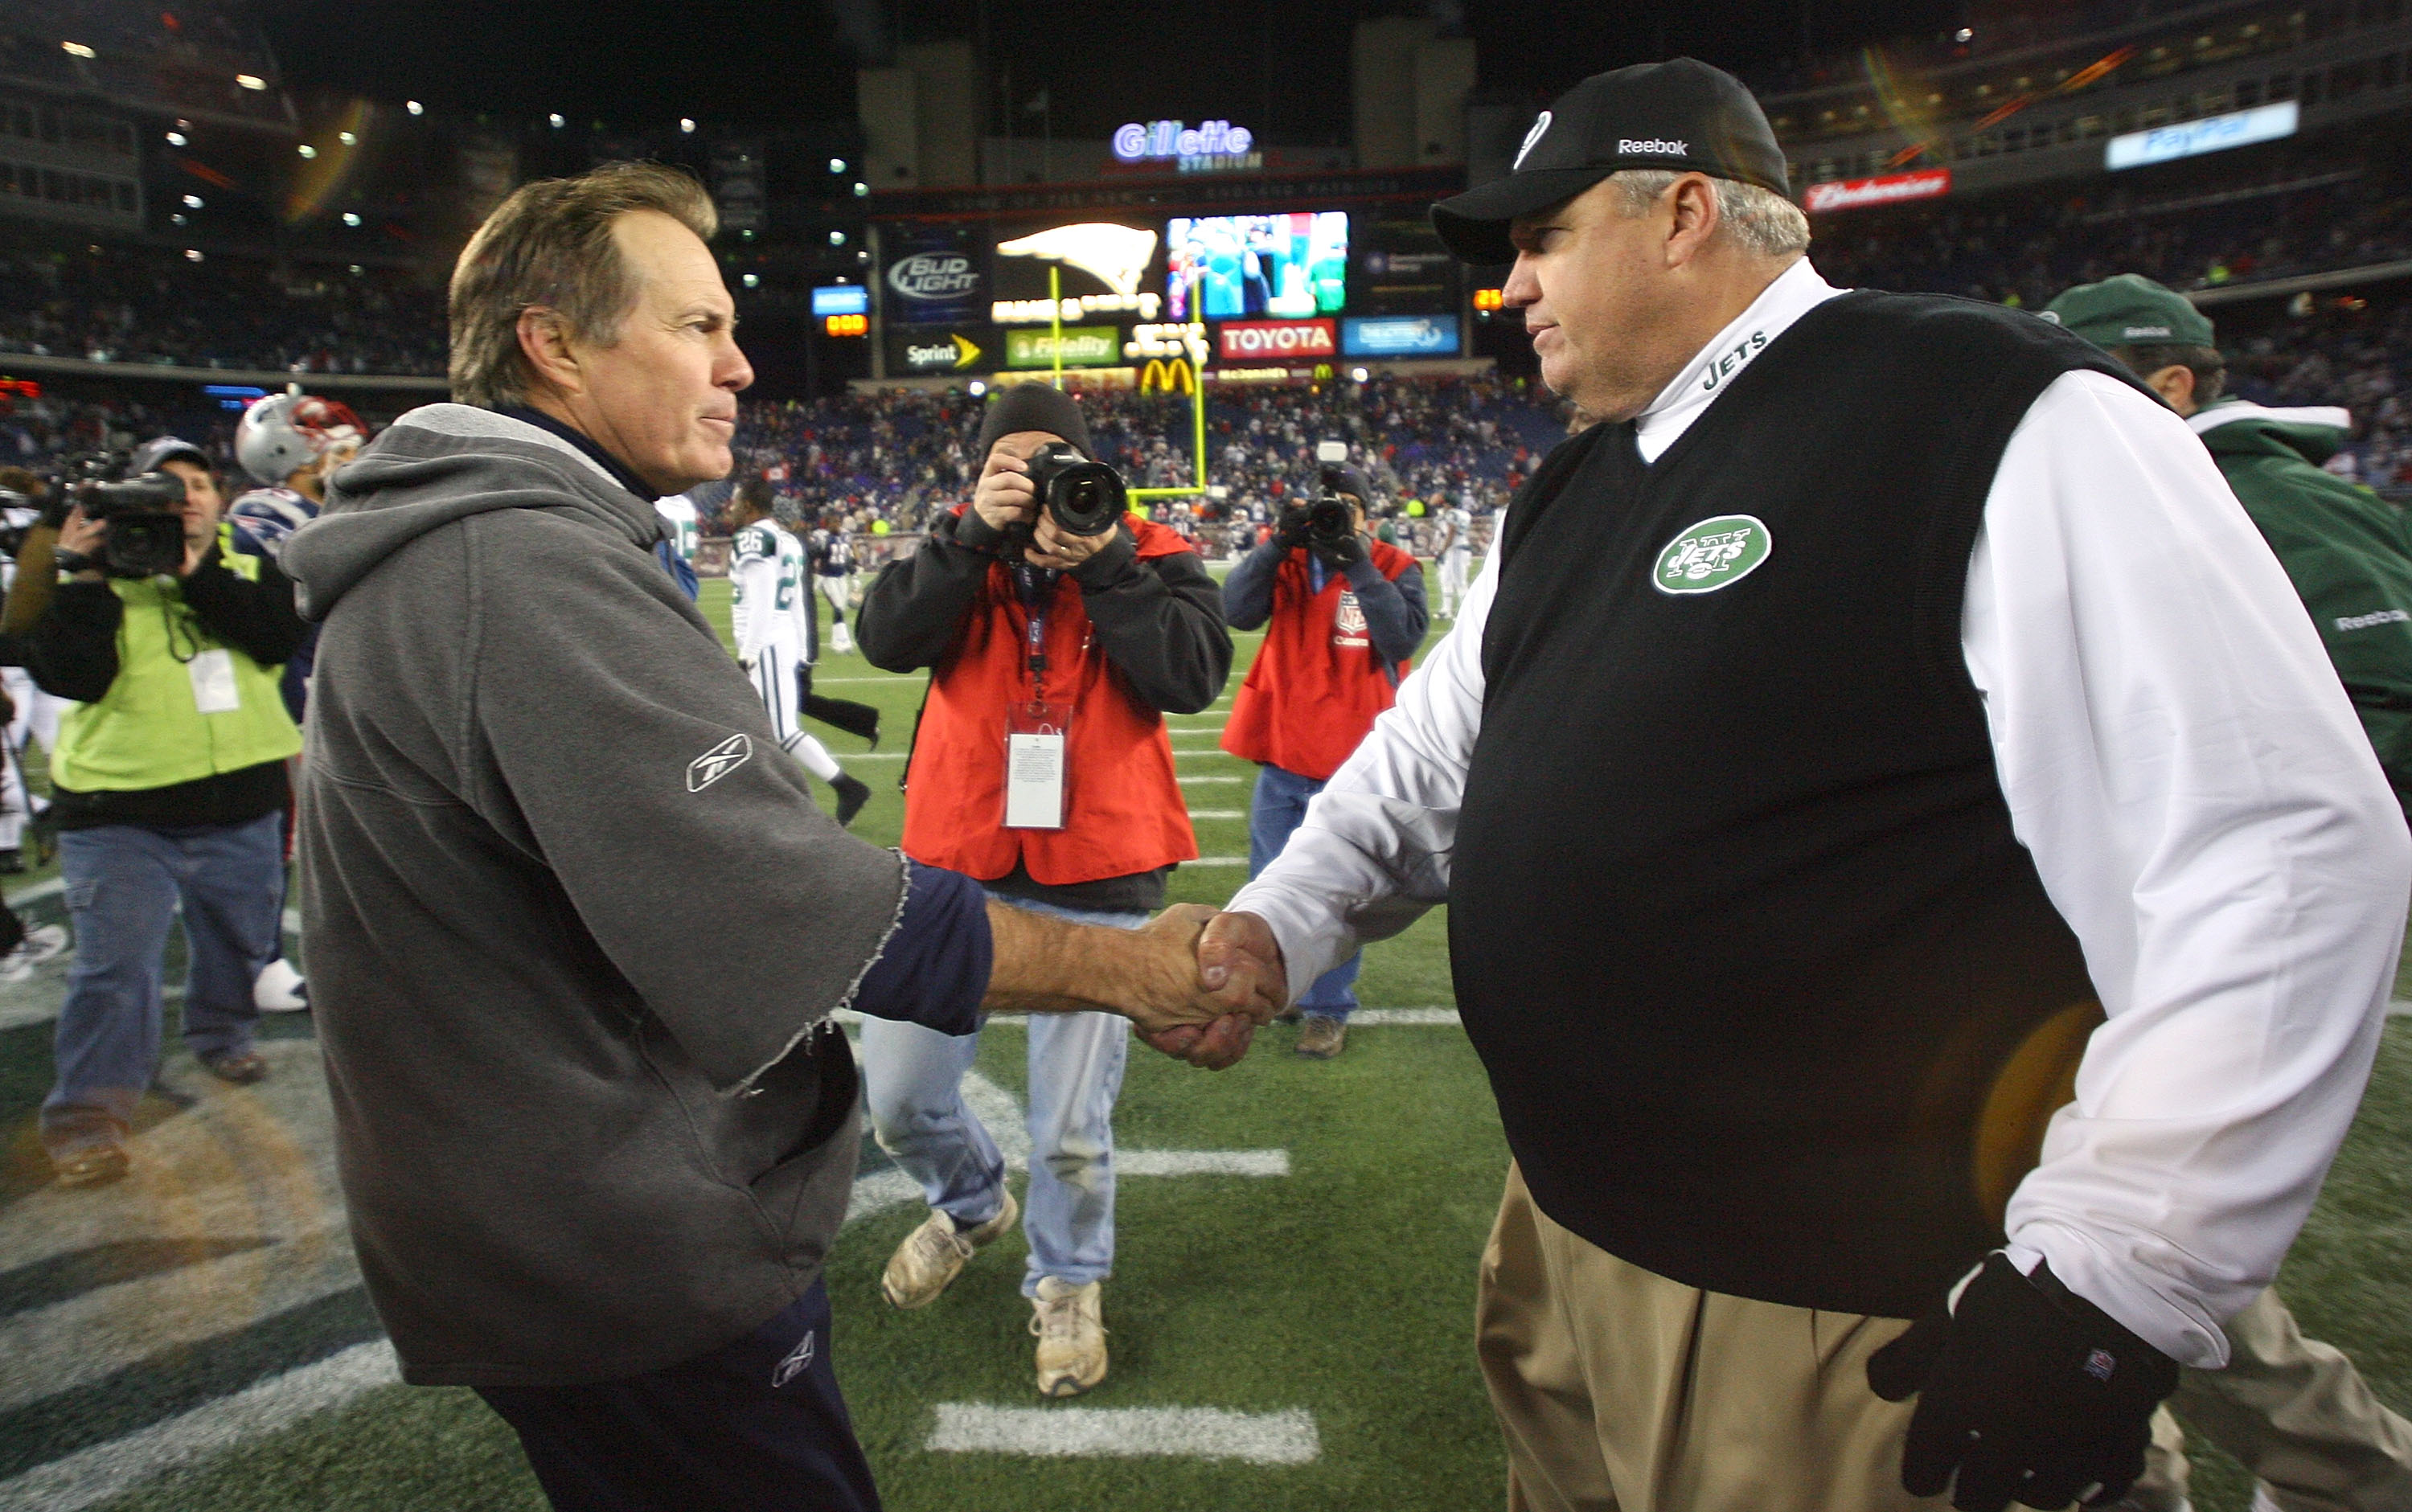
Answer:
(1289, 527)
(2027, 1390)
(1342, 554)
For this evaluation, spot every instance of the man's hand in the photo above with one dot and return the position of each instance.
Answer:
(80, 538)
(2026, 1392)
(1212, 1027)
(1231, 947)
(1241, 945)
(1006, 496)
(1057, 548)
(1342, 555)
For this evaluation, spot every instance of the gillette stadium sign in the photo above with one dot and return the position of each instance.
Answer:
(2211, 134)
(1885, 189)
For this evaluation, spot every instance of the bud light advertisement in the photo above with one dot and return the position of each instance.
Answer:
(935, 280)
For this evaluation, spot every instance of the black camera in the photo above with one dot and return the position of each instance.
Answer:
(1085, 497)
(145, 516)
(1319, 524)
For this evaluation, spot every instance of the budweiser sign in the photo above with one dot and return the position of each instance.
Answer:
(1857, 194)
(1249, 340)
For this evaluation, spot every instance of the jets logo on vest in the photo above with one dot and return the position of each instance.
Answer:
(1713, 555)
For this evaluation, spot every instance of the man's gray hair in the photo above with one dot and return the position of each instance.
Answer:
(549, 247)
(1757, 220)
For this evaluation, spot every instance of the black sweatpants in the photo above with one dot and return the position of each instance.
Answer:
(754, 1426)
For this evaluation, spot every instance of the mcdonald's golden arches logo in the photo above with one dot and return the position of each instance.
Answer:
(1173, 375)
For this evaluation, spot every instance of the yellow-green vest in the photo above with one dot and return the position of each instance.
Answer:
(148, 731)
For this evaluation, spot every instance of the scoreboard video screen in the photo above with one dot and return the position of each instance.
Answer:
(1249, 267)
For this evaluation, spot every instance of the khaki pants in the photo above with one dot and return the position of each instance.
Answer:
(1622, 1392)
(2298, 1416)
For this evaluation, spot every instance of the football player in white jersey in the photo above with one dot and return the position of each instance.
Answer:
(1455, 549)
(33, 714)
(768, 613)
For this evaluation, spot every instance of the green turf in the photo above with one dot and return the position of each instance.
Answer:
(1345, 1288)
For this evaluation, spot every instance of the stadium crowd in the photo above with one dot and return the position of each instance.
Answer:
(126, 303)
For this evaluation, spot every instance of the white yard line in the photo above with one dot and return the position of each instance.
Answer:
(105, 1470)
(1218, 813)
(1202, 751)
(1218, 861)
(892, 677)
(1201, 1162)
(1264, 1438)
(48, 889)
(2399, 1009)
(1194, 782)
(1403, 1015)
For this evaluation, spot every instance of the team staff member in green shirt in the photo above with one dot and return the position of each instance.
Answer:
(2294, 1409)
(169, 784)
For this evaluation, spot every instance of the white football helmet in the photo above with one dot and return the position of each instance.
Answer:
(283, 433)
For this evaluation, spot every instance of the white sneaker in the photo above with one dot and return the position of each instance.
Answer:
(40, 944)
(1070, 1323)
(932, 1255)
(279, 988)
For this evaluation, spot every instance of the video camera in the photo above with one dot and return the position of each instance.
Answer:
(1083, 498)
(145, 515)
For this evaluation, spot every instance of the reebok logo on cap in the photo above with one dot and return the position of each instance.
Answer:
(2137, 333)
(1539, 128)
(1670, 149)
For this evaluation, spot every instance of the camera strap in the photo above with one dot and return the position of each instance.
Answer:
(1035, 731)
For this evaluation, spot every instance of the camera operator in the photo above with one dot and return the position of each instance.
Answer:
(1345, 612)
(1057, 647)
(169, 783)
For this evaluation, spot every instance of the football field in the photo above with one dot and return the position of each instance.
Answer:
(1289, 1315)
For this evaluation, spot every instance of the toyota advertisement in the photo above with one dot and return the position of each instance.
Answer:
(1253, 342)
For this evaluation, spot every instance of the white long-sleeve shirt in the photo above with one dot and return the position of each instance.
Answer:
(2201, 804)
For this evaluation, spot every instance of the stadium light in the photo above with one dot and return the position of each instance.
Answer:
(860, 189)
(176, 139)
(180, 218)
(753, 280)
(837, 239)
(251, 81)
(414, 106)
(191, 201)
(1359, 374)
(77, 50)
(356, 270)
(979, 387)
(192, 254)
(686, 125)
(351, 217)
(837, 165)
(347, 138)
(306, 149)
(1964, 34)
(558, 120)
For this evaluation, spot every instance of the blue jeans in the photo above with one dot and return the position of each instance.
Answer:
(912, 1087)
(1279, 806)
(122, 884)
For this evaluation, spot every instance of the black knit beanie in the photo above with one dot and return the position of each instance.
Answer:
(1340, 477)
(1034, 407)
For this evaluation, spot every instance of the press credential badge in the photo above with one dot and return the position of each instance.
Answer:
(1034, 765)
(213, 687)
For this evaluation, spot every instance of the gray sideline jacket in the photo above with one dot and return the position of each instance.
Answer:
(574, 925)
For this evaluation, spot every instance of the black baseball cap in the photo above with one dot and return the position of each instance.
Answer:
(156, 453)
(1683, 116)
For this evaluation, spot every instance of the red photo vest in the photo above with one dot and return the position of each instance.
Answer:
(1318, 683)
(1122, 809)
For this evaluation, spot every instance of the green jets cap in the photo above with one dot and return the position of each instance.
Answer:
(2130, 310)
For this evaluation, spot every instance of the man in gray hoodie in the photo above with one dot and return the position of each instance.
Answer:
(594, 1164)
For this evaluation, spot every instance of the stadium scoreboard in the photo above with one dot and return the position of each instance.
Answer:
(1258, 296)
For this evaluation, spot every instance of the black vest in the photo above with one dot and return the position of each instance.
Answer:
(1773, 999)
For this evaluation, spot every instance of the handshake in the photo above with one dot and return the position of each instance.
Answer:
(1196, 983)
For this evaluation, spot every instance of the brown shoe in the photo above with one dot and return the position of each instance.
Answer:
(240, 1067)
(92, 1165)
(1320, 1038)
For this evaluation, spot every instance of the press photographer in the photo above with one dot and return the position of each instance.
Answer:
(1060, 629)
(1345, 613)
(169, 784)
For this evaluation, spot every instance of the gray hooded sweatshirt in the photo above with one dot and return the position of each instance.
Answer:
(574, 924)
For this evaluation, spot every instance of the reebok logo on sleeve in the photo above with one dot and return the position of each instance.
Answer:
(718, 762)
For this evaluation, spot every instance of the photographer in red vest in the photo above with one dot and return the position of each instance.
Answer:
(1059, 629)
(1344, 612)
